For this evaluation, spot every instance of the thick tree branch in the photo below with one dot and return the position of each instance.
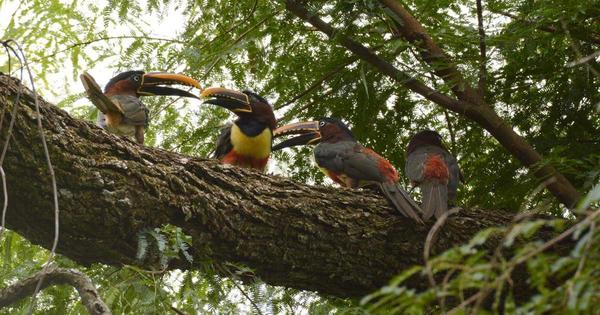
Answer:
(290, 234)
(57, 276)
(444, 67)
(473, 109)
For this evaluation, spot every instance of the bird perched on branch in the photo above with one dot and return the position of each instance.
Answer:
(247, 141)
(347, 162)
(121, 110)
(430, 166)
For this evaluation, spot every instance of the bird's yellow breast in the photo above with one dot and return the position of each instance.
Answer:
(258, 146)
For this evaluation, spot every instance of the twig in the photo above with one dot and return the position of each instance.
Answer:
(50, 169)
(576, 49)
(8, 134)
(234, 279)
(320, 81)
(106, 38)
(583, 60)
(481, 85)
(57, 276)
(481, 294)
(586, 37)
(428, 241)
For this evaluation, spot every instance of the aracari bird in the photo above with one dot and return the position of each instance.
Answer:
(121, 110)
(430, 166)
(347, 162)
(247, 141)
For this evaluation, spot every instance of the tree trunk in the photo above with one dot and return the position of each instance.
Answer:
(336, 241)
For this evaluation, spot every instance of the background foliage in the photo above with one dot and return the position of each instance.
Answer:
(257, 44)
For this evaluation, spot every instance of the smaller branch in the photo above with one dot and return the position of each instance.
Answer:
(481, 85)
(105, 38)
(234, 278)
(451, 131)
(57, 276)
(582, 36)
(583, 60)
(318, 83)
(576, 48)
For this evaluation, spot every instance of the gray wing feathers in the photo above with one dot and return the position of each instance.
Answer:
(95, 95)
(401, 201)
(223, 142)
(134, 111)
(333, 155)
(455, 176)
(344, 157)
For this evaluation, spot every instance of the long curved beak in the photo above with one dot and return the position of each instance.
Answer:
(152, 84)
(308, 134)
(234, 101)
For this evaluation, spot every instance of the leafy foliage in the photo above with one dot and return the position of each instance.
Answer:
(259, 45)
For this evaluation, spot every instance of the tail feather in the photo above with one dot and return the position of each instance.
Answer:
(435, 199)
(98, 99)
(401, 200)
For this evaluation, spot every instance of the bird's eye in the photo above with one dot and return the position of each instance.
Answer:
(136, 77)
(321, 123)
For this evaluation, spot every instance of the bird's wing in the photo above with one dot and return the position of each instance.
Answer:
(456, 175)
(223, 142)
(331, 155)
(355, 161)
(94, 93)
(133, 109)
(413, 168)
(365, 164)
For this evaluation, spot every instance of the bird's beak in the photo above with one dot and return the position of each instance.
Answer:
(308, 134)
(151, 84)
(235, 101)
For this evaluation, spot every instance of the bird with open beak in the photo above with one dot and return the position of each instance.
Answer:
(430, 166)
(247, 141)
(121, 110)
(347, 162)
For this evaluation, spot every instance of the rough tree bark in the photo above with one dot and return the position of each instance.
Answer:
(336, 241)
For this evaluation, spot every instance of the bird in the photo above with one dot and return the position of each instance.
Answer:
(247, 141)
(347, 162)
(431, 167)
(121, 110)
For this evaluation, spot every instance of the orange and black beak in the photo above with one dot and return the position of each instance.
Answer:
(234, 101)
(309, 133)
(151, 84)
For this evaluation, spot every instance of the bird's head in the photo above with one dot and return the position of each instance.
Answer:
(245, 104)
(423, 138)
(139, 83)
(313, 132)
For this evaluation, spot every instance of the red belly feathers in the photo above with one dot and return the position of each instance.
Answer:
(244, 161)
(435, 168)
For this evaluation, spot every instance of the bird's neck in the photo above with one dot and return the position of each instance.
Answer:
(250, 127)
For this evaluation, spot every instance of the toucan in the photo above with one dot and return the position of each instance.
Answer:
(247, 141)
(121, 110)
(431, 167)
(347, 162)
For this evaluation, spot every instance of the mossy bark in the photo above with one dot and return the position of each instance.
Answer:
(336, 241)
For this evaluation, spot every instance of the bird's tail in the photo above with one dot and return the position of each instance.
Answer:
(435, 199)
(401, 200)
(94, 93)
